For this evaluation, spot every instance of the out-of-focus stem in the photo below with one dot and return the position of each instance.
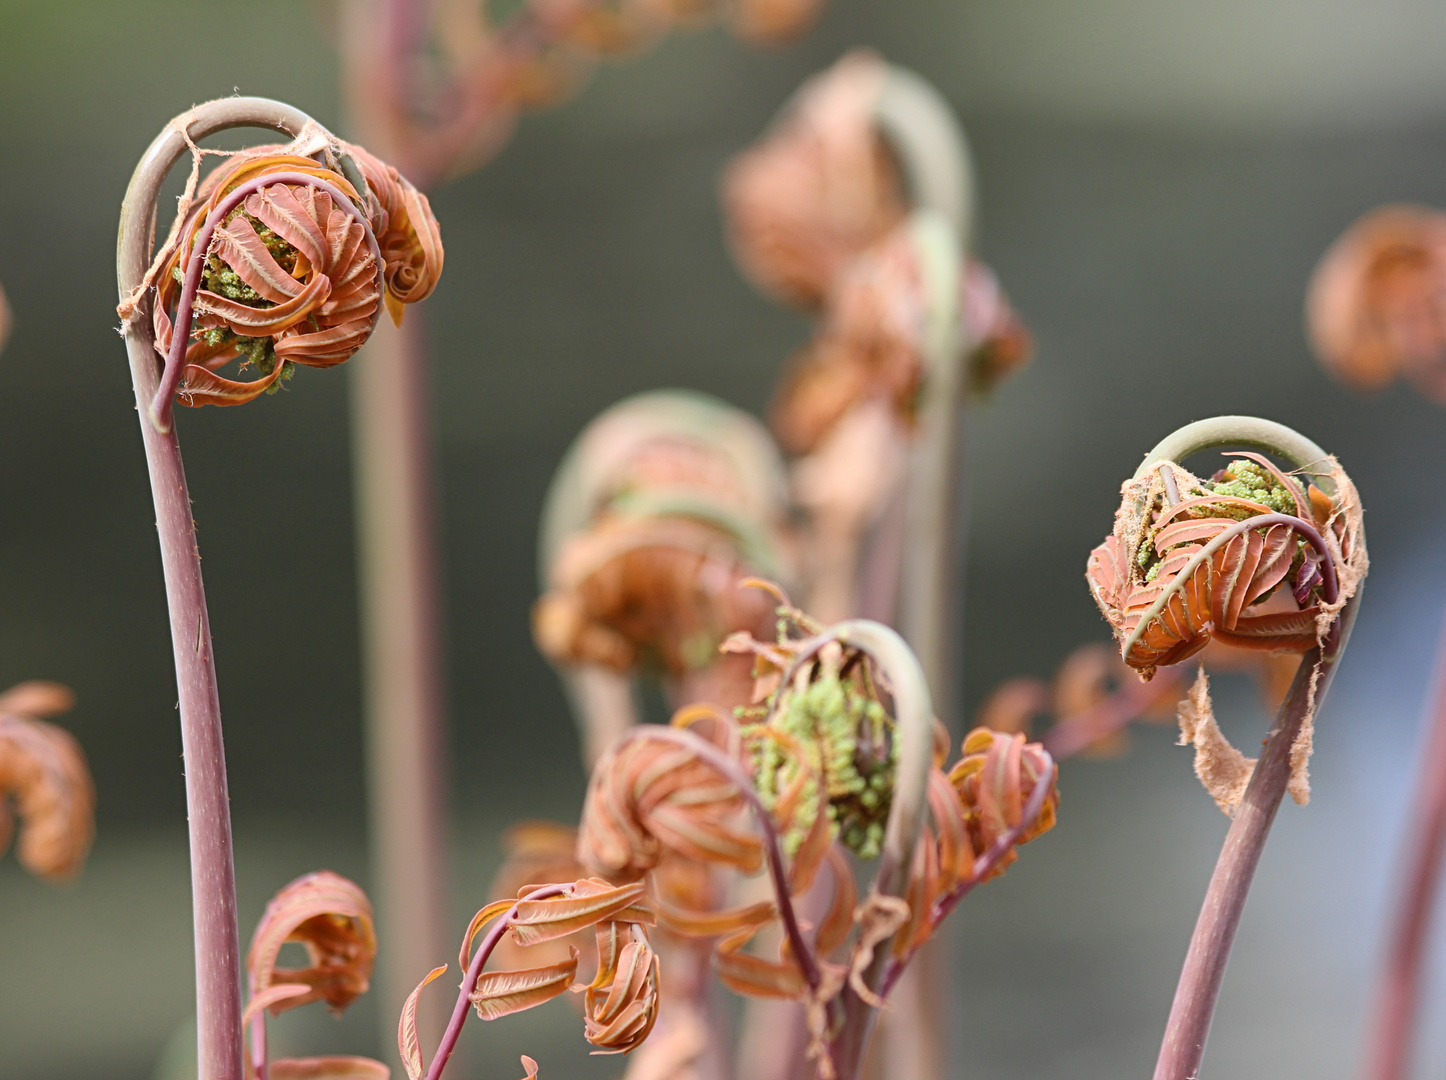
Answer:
(392, 461)
(914, 716)
(605, 705)
(928, 574)
(1398, 997)
(213, 880)
(1114, 713)
(1200, 979)
(402, 669)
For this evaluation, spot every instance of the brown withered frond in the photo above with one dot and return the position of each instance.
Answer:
(818, 189)
(1184, 566)
(44, 777)
(629, 590)
(1376, 307)
(774, 22)
(872, 343)
(297, 273)
(332, 919)
(649, 796)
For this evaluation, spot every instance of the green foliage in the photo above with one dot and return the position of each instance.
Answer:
(834, 735)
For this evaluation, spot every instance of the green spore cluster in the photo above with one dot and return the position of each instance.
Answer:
(219, 278)
(1246, 479)
(1243, 479)
(834, 733)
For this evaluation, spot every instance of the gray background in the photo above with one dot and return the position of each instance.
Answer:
(1157, 181)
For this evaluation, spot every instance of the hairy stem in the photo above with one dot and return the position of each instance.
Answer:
(213, 883)
(474, 972)
(1398, 996)
(1264, 435)
(1200, 979)
(914, 716)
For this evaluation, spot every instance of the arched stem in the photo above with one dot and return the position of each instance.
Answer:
(1193, 1007)
(1264, 435)
(213, 883)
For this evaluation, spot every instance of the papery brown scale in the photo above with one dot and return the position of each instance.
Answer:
(44, 772)
(331, 918)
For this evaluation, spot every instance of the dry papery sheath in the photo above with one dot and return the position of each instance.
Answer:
(1250, 558)
(294, 271)
(45, 782)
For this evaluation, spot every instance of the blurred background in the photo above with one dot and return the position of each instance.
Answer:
(1158, 178)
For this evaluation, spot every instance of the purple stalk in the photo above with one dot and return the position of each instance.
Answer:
(1199, 987)
(213, 883)
(474, 972)
(164, 401)
(1398, 997)
(1114, 713)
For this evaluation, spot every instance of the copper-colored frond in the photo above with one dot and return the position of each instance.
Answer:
(873, 341)
(1185, 565)
(295, 272)
(44, 772)
(1377, 301)
(650, 795)
(410, 238)
(817, 189)
(622, 1001)
(994, 779)
(332, 918)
